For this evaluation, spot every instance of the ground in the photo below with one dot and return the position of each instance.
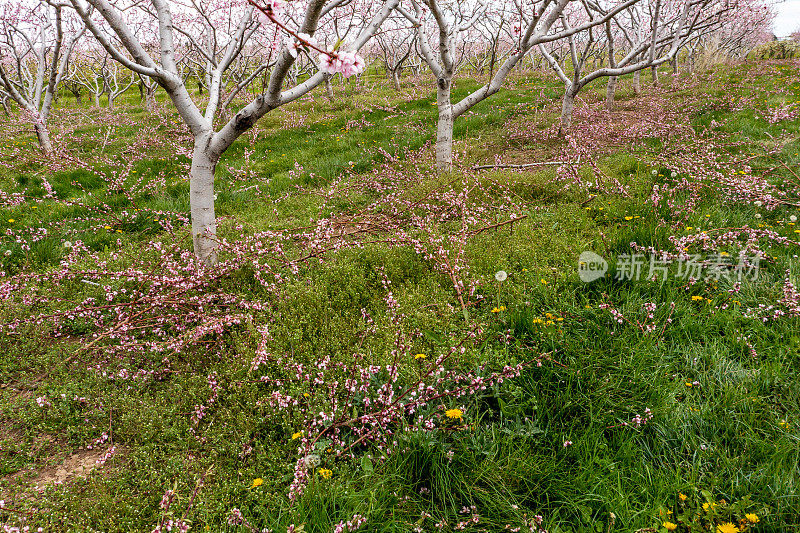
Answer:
(127, 370)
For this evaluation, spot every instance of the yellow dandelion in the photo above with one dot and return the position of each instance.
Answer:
(628, 218)
(752, 518)
(11, 220)
(420, 356)
(455, 414)
(544, 282)
(682, 496)
(689, 384)
(727, 527)
(257, 482)
(297, 435)
(669, 526)
(325, 473)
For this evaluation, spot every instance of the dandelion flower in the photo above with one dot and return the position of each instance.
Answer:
(752, 518)
(784, 424)
(11, 220)
(682, 496)
(325, 473)
(501, 275)
(297, 435)
(257, 482)
(727, 527)
(669, 526)
(420, 356)
(454, 414)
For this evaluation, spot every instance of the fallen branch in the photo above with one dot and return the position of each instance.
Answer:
(494, 226)
(526, 165)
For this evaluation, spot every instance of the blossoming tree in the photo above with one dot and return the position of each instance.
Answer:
(36, 43)
(450, 20)
(219, 30)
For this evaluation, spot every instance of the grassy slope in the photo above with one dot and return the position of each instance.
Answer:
(724, 437)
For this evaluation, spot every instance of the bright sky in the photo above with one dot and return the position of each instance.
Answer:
(788, 18)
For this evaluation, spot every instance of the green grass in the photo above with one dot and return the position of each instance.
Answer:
(724, 437)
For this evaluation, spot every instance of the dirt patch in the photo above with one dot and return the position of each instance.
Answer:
(78, 464)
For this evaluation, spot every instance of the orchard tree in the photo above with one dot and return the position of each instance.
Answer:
(395, 46)
(440, 25)
(577, 48)
(654, 33)
(36, 41)
(219, 31)
(744, 27)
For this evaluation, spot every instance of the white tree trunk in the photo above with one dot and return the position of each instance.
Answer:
(654, 70)
(396, 79)
(611, 90)
(329, 88)
(444, 129)
(150, 98)
(96, 99)
(201, 200)
(44, 138)
(567, 106)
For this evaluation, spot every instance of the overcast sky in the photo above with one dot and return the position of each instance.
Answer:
(788, 18)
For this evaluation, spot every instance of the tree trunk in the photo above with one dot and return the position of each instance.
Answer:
(567, 106)
(396, 79)
(444, 129)
(6, 106)
(44, 138)
(674, 63)
(637, 82)
(611, 90)
(654, 70)
(150, 99)
(329, 88)
(111, 98)
(97, 99)
(201, 201)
